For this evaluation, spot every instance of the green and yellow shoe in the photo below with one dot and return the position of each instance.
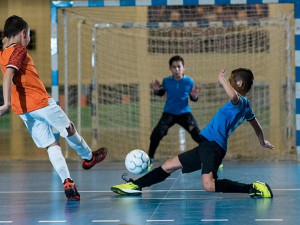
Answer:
(260, 190)
(221, 166)
(127, 188)
(150, 165)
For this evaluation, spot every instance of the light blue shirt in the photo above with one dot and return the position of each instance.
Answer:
(226, 120)
(178, 92)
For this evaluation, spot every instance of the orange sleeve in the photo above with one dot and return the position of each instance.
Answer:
(17, 57)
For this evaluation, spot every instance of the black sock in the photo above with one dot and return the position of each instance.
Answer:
(155, 176)
(229, 186)
(152, 149)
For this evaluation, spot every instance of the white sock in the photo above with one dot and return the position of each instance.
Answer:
(58, 162)
(80, 146)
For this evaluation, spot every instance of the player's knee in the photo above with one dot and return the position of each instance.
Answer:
(191, 127)
(54, 144)
(172, 165)
(208, 183)
(208, 187)
(71, 129)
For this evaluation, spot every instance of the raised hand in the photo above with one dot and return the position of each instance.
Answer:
(267, 144)
(195, 91)
(156, 85)
(221, 74)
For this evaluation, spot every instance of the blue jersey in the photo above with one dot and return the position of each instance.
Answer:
(178, 92)
(226, 120)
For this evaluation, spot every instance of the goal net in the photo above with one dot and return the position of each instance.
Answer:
(110, 55)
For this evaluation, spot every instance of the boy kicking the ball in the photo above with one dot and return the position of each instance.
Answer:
(208, 155)
(26, 94)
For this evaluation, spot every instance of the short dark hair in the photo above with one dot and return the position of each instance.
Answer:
(245, 75)
(176, 58)
(14, 25)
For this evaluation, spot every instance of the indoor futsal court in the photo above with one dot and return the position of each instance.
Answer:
(98, 61)
(32, 195)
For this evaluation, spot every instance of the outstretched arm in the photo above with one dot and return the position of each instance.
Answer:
(7, 82)
(233, 95)
(259, 132)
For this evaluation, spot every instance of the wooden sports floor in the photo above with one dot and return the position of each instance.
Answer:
(31, 193)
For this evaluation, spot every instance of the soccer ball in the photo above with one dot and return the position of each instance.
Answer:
(137, 161)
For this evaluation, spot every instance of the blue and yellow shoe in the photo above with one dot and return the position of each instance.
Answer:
(260, 190)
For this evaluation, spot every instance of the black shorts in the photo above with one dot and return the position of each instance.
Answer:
(207, 156)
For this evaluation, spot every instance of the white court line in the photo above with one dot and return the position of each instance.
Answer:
(290, 189)
(24, 192)
(36, 192)
(214, 220)
(210, 198)
(159, 221)
(269, 220)
(163, 200)
(105, 221)
(175, 190)
(6, 221)
(52, 221)
(144, 191)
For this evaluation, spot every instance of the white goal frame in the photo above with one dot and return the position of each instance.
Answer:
(55, 5)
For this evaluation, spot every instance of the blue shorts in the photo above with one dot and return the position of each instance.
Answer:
(41, 122)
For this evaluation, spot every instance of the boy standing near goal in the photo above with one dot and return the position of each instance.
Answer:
(179, 89)
(213, 145)
(26, 94)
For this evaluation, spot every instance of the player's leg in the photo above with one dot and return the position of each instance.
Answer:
(211, 155)
(80, 146)
(159, 174)
(189, 123)
(59, 164)
(57, 118)
(43, 137)
(187, 161)
(256, 189)
(77, 142)
(223, 185)
(161, 130)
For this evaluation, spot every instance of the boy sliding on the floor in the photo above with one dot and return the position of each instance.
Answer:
(213, 145)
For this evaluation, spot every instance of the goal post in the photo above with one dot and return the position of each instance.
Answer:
(121, 58)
